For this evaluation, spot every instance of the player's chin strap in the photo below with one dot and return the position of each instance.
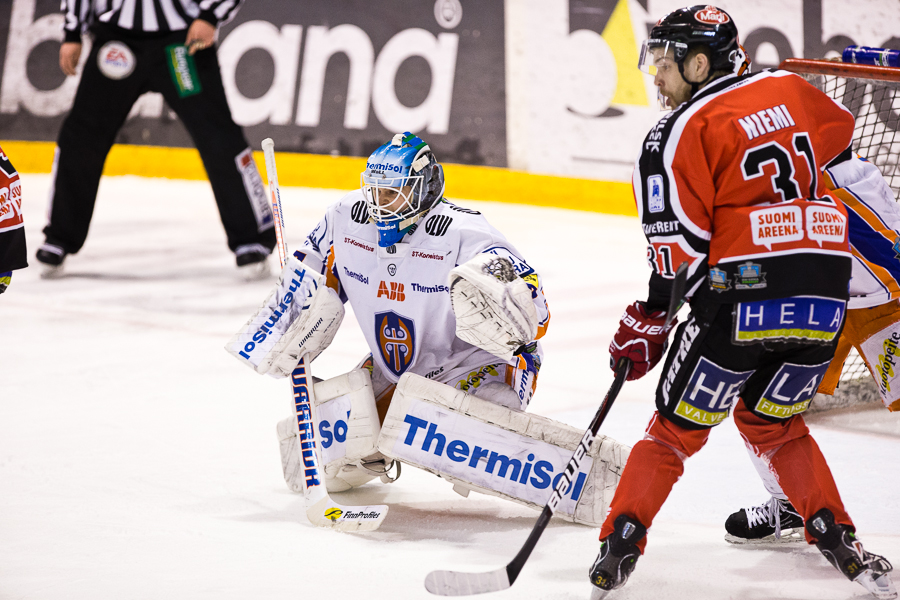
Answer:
(695, 85)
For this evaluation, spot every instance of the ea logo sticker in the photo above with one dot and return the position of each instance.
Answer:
(333, 513)
(116, 60)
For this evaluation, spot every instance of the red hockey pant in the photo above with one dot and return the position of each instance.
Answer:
(657, 461)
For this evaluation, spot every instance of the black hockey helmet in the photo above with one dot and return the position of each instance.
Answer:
(700, 25)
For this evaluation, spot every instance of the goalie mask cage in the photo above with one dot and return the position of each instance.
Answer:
(872, 95)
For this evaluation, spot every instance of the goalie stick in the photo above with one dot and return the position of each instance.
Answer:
(321, 510)
(460, 583)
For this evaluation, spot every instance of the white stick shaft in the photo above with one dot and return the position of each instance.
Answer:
(268, 147)
(321, 510)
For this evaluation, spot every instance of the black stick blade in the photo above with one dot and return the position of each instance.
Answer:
(457, 583)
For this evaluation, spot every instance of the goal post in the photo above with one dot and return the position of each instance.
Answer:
(872, 94)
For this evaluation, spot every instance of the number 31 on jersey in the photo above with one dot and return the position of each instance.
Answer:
(664, 254)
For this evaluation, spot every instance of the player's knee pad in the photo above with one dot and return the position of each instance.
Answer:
(764, 436)
(347, 429)
(483, 446)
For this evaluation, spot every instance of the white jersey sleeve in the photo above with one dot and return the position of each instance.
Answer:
(874, 222)
(317, 250)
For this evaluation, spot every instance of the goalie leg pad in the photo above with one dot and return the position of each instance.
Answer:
(347, 428)
(488, 448)
(876, 332)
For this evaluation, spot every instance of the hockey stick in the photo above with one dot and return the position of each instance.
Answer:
(460, 583)
(321, 510)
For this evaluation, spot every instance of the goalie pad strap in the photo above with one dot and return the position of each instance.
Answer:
(493, 450)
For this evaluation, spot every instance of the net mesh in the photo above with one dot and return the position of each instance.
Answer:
(875, 105)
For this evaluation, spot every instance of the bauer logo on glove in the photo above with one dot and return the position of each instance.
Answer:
(641, 338)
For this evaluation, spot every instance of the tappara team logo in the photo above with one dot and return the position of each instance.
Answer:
(397, 341)
(711, 16)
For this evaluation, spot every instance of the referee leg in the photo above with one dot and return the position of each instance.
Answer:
(88, 132)
(240, 196)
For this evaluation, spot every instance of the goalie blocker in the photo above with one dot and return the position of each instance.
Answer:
(470, 442)
(301, 315)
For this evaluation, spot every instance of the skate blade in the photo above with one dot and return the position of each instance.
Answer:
(788, 536)
(597, 593)
(881, 587)
(257, 271)
(51, 271)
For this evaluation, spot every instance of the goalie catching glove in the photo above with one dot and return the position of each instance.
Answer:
(301, 315)
(493, 306)
(641, 337)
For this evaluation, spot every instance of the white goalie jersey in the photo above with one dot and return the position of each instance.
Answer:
(400, 294)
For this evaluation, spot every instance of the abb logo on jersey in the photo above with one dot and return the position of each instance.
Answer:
(394, 293)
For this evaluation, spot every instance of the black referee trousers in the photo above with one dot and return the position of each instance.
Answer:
(100, 108)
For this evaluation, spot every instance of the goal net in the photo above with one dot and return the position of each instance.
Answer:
(872, 95)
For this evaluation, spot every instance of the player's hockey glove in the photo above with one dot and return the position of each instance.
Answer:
(641, 337)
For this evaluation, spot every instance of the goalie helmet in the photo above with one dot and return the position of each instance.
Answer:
(693, 26)
(402, 181)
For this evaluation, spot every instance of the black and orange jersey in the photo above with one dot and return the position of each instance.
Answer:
(12, 227)
(731, 182)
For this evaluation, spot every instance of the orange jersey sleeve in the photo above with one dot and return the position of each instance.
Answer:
(737, 171)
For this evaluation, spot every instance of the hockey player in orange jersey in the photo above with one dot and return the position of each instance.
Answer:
(12, 229)
(730, 183)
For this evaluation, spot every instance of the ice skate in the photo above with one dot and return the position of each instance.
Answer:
(253, 262)
(617, 558)
(51, 258)
(773, 522)
(840, 546)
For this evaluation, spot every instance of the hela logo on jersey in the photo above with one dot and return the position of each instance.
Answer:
(396, 337)
(791, 390)
(394, 293)
(655, 202)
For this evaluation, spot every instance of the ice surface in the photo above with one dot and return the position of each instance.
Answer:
(138, 459)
